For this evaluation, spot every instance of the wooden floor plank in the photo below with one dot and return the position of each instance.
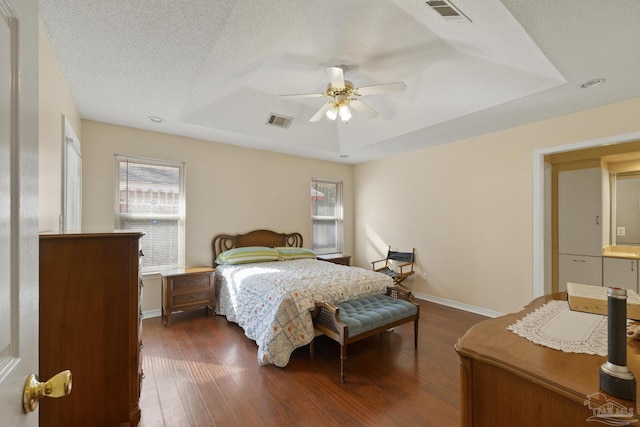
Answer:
(203, 371)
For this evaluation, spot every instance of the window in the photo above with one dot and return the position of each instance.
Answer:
(150, 197)
(71, 181)
(326, 215)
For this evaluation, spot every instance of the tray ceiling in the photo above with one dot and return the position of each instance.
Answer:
(214, 69)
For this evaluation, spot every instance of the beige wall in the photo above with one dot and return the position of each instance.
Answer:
(55, 101)
(468, 209)
(229, 189)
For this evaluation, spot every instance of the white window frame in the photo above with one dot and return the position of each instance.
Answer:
(338, 218)
(180, 216)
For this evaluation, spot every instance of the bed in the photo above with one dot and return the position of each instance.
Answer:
(272, 296)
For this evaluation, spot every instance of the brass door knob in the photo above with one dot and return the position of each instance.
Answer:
(59, 385)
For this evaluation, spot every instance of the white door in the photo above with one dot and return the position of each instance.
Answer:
(18, 206)
(580, 219)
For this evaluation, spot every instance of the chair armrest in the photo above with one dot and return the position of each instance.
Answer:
(373, 263)
(408, 264)
(326, 319)
(399, 292)
(327, 305)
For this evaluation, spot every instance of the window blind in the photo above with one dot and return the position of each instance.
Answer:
(326, 216)
(150, 198)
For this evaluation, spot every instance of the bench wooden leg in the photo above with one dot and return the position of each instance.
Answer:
(312, 348)
(327, 320)
(343, 357)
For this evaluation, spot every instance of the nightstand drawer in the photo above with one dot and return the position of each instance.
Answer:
(193, 298)
(189, 282)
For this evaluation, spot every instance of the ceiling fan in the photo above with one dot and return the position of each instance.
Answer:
(344, 95)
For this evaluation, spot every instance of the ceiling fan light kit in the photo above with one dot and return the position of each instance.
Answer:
(332, 113)
(345, 113)
(344, 95)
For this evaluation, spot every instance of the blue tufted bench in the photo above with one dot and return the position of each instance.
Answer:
(354, 320)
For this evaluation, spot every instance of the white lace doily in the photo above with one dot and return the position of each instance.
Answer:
(556, 326)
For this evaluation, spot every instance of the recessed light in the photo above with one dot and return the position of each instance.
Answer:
(155, 119)
(592, 83)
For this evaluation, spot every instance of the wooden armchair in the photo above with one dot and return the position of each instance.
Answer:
(402, 270)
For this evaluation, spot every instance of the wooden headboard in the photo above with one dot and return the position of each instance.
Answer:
(271, 239)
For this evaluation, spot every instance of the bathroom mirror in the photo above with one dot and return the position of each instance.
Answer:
(625, 208)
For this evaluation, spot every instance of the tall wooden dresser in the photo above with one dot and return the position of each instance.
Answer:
(90, 323)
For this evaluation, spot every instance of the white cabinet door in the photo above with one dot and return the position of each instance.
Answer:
(586, 270)
(582, 227)
(620, 272)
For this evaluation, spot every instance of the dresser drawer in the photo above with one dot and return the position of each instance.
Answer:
(188, 283)
(189, 299)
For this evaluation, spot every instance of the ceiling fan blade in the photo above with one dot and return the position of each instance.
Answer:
(302, 95)
(336, 77)
(384, 88)
(363, 108)
(321, 112)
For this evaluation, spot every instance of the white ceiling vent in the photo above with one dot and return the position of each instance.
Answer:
(448, 11)
(279, 121)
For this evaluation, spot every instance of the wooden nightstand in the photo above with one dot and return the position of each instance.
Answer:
(336, 258)
(187, 289)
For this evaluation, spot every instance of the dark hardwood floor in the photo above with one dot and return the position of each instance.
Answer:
(203, 371)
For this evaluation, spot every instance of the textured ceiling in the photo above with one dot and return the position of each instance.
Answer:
(214, 69)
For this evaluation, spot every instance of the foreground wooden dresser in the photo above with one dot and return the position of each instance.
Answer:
(90, 323)
(507, 380)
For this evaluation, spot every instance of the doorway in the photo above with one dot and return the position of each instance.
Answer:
(542, 199)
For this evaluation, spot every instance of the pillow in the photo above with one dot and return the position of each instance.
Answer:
(295, 253)
(247, 255)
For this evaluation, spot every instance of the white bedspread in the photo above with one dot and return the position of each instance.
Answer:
(272, 301)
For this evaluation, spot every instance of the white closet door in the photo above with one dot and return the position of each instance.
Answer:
(580, 220)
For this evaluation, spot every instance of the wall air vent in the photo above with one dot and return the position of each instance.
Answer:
(448, 11)
(279, 120)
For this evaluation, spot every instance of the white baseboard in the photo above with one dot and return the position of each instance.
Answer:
(152, 313)
(458, 305)
(449, 303)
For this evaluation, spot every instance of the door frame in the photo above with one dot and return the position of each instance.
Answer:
(541, 200)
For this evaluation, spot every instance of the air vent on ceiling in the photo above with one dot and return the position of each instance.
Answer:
(279, 121)
(448, 11)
